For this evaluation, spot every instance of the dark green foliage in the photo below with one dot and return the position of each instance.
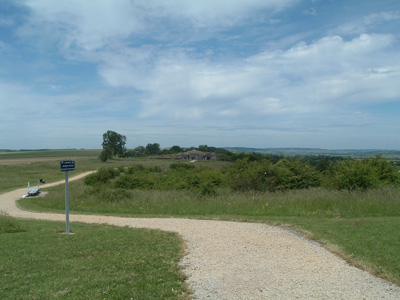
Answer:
(321, 162)
(362, 174)
(114, 144)
(133, 182)
(179, 176)
(266, 176)
(135, 168)
(101, 176)
(137, 152)
(105, 155)
(254, 174)
(207, 189)
(152, 149)
(175, 149)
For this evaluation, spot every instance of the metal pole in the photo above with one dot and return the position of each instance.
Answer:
(66, 202)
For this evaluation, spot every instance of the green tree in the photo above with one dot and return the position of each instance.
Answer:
(140, 150)
(113, 145)
(105, 155)
(175, 149)
(153, 149)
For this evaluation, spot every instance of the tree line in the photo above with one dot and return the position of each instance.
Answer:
(273, 172)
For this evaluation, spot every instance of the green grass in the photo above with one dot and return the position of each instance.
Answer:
(361, 226)
(96, 262)
(49, 154)
(19, 168)
(311, 202)
(9, 224)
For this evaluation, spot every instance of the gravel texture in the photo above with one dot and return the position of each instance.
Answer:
(234, 260)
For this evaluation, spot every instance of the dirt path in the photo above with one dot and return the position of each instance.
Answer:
(233, 260)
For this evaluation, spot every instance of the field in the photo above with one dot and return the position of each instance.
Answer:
(360, 226)
(38, 261)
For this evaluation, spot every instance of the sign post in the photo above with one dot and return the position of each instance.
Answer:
(65, 166)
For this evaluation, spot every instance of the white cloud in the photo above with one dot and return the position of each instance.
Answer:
(148, 57)
(304, 79)
(363, 24)
(91, 25)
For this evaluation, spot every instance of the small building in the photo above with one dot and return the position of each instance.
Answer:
(199, 155)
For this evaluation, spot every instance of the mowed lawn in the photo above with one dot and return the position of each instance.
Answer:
(39, 261)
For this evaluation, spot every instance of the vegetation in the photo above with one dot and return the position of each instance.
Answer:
(113, 145)
(9, 224)
(350, 203)
(96, 262)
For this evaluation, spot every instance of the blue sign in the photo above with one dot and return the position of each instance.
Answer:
(67, 165)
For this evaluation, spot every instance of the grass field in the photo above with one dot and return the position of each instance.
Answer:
(38, 261)
(361, 226)
(19, 168)
(48, 154)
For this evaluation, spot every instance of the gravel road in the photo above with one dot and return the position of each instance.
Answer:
(233, 260)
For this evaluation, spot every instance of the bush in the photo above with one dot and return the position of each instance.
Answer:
(207, 189)
(181, 166)
(362, 174)
(267, 176)
(101, 176)
(133, 182)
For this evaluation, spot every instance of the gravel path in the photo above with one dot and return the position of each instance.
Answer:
(233, 260)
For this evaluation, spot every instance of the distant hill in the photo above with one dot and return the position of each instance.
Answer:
(318, 151)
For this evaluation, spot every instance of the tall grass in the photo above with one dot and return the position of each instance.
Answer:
(384, 201)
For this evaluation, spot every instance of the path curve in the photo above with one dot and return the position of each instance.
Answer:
(233, 260)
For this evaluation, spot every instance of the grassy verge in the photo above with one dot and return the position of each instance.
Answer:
(37, 261)
(311, 202)
(363, 226)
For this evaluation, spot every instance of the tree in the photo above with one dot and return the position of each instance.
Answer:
(105, 155)
(152, 149)
(175, 149)
(113, 145)
(140, 150)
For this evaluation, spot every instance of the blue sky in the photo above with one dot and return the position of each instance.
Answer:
(252, 73)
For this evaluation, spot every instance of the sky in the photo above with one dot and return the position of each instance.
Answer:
(223, 73)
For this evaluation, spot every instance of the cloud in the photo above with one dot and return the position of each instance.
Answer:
(305, 79)
(89, 26)
(363, 24)
(216, 67)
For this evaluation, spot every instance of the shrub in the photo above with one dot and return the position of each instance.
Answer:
(207, 189)
(101, 176)
(265, 175)
(362, 174)
(181, 166)
(136, 168)
(133, 182)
